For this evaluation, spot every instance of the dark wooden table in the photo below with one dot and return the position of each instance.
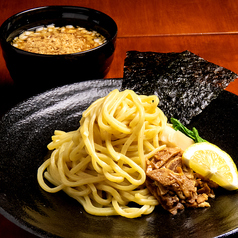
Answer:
(208, 28)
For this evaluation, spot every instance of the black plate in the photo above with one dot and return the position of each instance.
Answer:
(26, 130)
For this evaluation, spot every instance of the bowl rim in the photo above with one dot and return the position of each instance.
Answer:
(55, 7)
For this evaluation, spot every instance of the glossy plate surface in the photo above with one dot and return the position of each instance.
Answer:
(25, 132)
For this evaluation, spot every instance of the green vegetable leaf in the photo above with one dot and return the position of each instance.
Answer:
(177, 125)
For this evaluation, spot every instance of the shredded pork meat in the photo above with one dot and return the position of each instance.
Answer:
(175, 185)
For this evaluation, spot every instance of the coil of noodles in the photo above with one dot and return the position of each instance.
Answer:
(102, 164)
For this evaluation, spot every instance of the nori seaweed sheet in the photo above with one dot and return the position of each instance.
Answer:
(184, 82)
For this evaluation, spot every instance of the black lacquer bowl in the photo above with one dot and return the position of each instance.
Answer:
(34, 73)
(25, 132)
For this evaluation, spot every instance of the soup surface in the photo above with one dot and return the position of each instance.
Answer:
(58, 40)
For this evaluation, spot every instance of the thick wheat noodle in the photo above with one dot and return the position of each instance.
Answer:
(102, 164)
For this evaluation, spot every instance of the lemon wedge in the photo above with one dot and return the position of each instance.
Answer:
(211, 162)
